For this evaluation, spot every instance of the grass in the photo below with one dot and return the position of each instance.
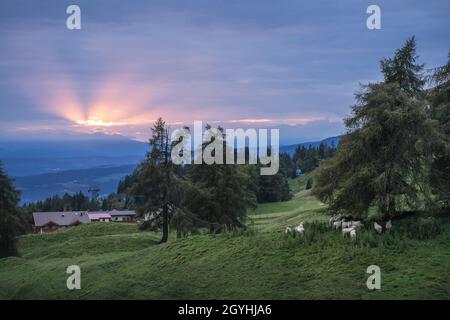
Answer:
(119, 262)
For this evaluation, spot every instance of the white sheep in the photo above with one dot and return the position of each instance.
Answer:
(337, 224)
(357, 224)
(333, 219)
(288, 230)
(346, 224)
(388, 225)
(378, 228)
(299, 229)
(353, 234)
(346, 231)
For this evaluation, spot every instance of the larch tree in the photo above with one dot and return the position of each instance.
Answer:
(157, 188)
(404, 70)
(223, 192)
(384, 158)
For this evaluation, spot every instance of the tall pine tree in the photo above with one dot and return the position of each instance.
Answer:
(383, 159)
(403, 69)
(156, 188)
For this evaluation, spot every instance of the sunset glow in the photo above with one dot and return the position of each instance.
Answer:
(279, 69)
(98, 122)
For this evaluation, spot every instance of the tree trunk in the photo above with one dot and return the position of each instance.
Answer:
(165, 226)
(388, 200)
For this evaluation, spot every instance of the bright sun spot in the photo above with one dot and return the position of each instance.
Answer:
(94, 121)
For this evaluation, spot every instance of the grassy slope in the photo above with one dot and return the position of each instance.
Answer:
(118, 261)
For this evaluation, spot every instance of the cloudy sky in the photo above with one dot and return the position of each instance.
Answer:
(293, 65)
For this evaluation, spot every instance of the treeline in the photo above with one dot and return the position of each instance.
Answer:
(305, 159)
(395, 156)
(79, 202)
(67, 202)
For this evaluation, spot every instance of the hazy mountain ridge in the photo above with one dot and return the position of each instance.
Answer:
(39, 187)
(290, 149)
(22, 167)
(24, 158)
(74, 148)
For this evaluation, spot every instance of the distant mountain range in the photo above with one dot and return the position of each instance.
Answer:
(72, 148)
(44, 168)
(39, 187)
(290, 149)
(23, 158)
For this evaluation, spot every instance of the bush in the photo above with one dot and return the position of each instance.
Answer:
(420, 229)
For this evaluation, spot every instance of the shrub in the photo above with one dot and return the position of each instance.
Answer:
(419, 229)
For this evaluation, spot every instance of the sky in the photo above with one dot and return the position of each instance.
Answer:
(293, 65)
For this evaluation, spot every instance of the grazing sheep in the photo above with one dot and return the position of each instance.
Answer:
(346, 224)
(388, 225)
(337, 224)
(353, 234)
(346, 231)
(378, 228)
(331, 221)
(357, 224)
(300, 229)
(288, 230)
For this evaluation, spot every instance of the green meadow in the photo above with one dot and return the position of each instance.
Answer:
(118, 261)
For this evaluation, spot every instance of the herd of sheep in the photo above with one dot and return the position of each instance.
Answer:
(347, 226)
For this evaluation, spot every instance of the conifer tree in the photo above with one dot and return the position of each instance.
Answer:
(384, 158)
(403, 69)
(223, 192)
(155, 183)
